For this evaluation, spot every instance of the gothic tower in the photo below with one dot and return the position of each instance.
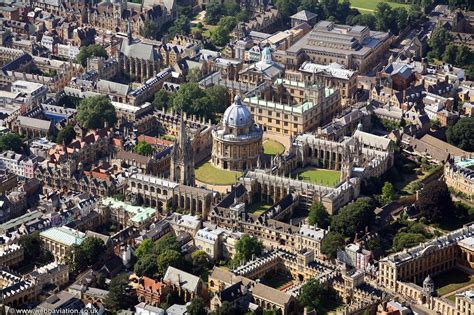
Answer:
(182, 158)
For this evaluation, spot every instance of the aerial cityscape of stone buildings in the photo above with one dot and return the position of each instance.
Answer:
(236, 157)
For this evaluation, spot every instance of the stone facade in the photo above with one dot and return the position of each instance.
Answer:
(237, 142)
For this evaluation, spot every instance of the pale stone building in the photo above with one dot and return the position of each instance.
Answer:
(237, 142)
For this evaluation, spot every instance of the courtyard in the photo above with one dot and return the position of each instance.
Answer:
(320, 176)
(452, 280)
(209, 174)
(257, 208)
(272, 147)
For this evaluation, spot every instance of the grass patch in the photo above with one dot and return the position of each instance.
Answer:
(257, 208)
(369, 6)
(321, 176)
(272, 147)
(452, 280)
(209, 174)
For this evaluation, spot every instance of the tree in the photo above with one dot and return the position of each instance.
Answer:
(166, 242)
(331, 243)
(218, 97)
(197, 307)
(246, 247)
(401, 18)
(362, 19)
(438, 41)
(66, 135)
(434, 201)
(406, 240)
(93, 112)
(318, 215)
(227, 308)
(314, 296)
(89, 252)
(194, 75)
(181, 25)
(286, 7)
(146, 265)
(94, 248)
(145, 247)
(388, 192)
(231, 8)
(143, 148)
(168, 258)
(119, 297)
(33, 248)
(354, 217)
(200, 259)
(461, 134)
(94, 50)
(311, 5)
(214, 11)
(221, 34)
(11, 141)
(150, 29)
(464, 56)
(384, 17)
(161, 99)
(450, 53)
(329, 7)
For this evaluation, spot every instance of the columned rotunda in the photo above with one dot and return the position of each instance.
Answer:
(237, 141)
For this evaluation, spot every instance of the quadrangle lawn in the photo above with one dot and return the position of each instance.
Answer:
(452, 280)
(368, 6)
(258, 208)
(320, 176)
(272, 147)
(209, 174)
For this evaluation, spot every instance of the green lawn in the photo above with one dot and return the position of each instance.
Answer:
(209, 174)
(321, 176)
(257, 208)
(452, 280)
(368, 6)
(273, 147)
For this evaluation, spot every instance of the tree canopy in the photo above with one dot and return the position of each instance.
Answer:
(388, 192)
(315, 296)
(154, 258)
(406, 240)
(331, 243)
(11, 141)
(161, 99)
(94, 111)
(246, 247)
(354, 217)
(437, 42)
(66, 135)
(89, 252)
(143, 148)
(318, 215)
(33, 248)
(434, 201)
(119, 297)
(461, 134)
(94, 50)
(197, 307)
(203, 103)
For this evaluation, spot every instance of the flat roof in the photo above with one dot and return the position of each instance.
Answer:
(138, 214)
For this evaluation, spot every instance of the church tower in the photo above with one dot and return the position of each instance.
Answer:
(182, 158)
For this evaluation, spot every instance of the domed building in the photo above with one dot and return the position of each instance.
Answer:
(237, 141)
